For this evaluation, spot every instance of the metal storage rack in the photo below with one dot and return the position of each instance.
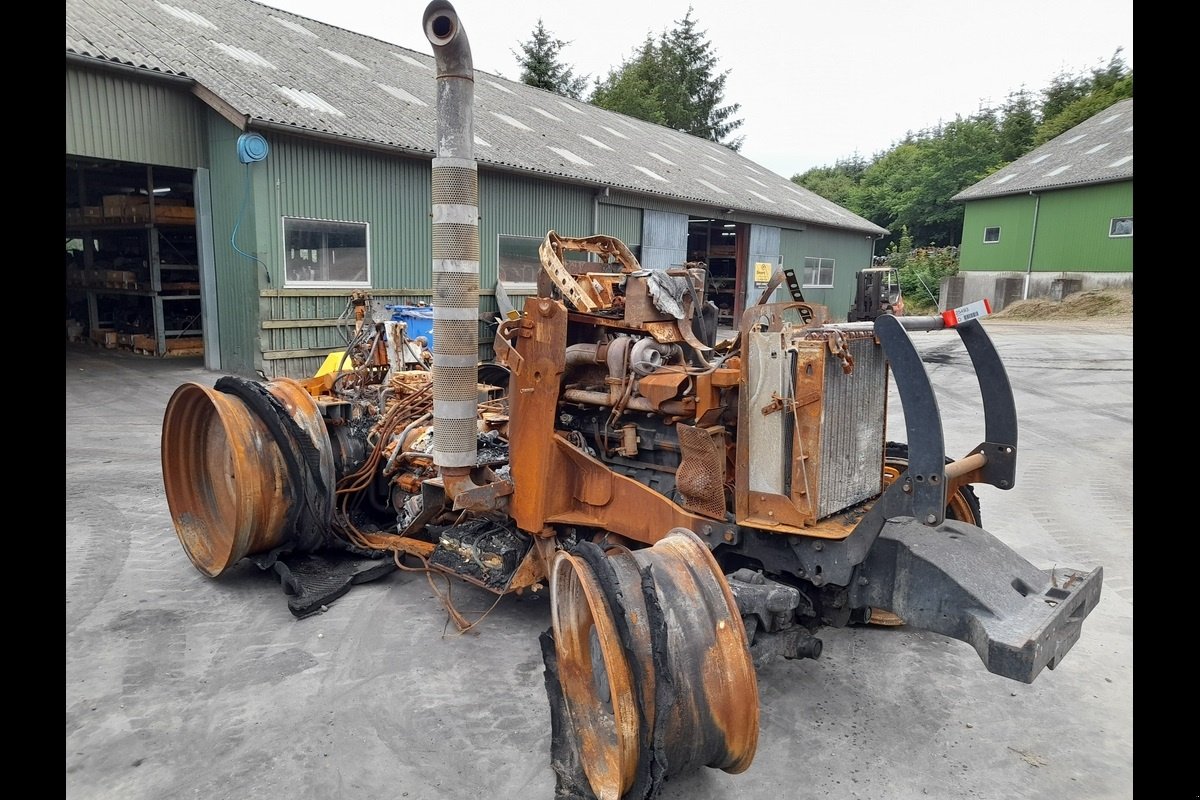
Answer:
(152, 244)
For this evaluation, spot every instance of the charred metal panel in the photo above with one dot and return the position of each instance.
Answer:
(852, 428)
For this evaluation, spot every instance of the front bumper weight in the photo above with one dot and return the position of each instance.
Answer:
(961, 581)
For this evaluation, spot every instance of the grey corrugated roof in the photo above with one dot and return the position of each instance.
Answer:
(1097, 150)
(276, 67)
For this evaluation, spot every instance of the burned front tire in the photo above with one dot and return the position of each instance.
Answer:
(963, 505)
(650, 674)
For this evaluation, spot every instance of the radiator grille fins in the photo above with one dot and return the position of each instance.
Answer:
(852, 428)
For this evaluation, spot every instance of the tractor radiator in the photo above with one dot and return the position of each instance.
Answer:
(853, 413)
(813, 424)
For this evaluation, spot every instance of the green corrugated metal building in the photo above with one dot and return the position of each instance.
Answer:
(1058, 219)
(329, 193)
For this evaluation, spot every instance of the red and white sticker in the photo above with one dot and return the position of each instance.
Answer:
(957, 316)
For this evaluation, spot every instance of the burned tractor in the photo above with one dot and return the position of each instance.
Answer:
(693, 505)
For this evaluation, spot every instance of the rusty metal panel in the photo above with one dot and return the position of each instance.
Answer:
(852, 427)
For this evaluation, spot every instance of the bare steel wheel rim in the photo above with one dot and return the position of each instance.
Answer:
(653, 662)
(225, 479)
(590, 661)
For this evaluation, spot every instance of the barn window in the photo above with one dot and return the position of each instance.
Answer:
(991, 235)
(1120, 227)
(320, 252)
(518, 263)
(818, 273)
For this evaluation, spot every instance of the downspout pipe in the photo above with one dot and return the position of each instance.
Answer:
(1037, 202)
(455, 194)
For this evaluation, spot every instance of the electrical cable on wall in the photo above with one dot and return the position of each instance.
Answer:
(251, 147)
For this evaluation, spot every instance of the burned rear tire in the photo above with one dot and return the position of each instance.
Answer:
(963, 505)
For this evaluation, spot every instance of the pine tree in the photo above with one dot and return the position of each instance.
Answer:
(541, 67)
(692, 87)
(674, 82)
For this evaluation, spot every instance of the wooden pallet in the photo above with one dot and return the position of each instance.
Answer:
(187, 346)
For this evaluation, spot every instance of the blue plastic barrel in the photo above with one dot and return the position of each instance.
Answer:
(418, 319)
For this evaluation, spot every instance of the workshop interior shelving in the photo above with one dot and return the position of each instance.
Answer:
(132, 261)
(714, 242)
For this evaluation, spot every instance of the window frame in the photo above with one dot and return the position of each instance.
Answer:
(524, 288)
(294, 283)
(817, 267)
(995, 228)
(516, 287)
(1112, 224)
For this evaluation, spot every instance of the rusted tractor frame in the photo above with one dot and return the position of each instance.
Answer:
(696, 508)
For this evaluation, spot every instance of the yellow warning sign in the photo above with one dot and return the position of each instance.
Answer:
(762, 272)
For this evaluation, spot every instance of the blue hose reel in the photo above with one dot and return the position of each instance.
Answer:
(251, 147)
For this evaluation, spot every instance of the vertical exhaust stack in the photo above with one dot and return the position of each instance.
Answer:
(455, 252)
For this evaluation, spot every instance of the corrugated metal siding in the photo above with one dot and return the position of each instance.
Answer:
(622, 222)
(618, 197)
(1072, 230)
(1013, 215)
(850, 250)
(111, 116)
(391, 194)
(516, 206)
(664, 239)
(238, 278)
(764, 247)
(317, 180)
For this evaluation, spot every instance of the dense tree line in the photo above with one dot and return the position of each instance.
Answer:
(675, 80)
(908, 187)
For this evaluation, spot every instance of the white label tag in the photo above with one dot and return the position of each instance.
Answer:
(957, 316)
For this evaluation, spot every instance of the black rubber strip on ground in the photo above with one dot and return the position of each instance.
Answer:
(317, 579)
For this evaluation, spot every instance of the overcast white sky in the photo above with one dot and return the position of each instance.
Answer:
(817, 81)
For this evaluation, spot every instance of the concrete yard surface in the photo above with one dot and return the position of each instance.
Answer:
(179, 686)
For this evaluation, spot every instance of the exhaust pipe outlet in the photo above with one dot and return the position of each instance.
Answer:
(455, 248)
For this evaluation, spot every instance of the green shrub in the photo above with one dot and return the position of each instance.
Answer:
(920, 272)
